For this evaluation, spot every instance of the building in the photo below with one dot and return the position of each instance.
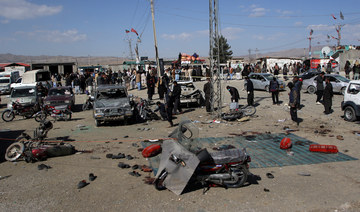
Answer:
(56, 68)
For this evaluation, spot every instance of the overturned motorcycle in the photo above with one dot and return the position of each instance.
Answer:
(237, 112)
(183, 164)
(34, 148)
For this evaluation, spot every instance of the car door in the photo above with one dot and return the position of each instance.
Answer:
(335, 84)
(254, 80)
(263, 82)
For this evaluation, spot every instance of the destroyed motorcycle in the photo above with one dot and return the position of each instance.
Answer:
(34, 148)
(238, 112)
(144, 111)
(182, 164)
(18, 109)
(89, 103)
(60, 113)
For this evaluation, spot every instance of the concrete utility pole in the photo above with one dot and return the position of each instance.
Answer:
(130, 48)
(215, 98)
(154, 29)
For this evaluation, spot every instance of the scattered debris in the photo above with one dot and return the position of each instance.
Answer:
(304, 174)
(346, 150)
(95, 157)
(135, 145)
(149, 180)
(82, 184)
(92, 177)
(244, 119)
(135, 167)
(135, 173)
(114, 139)
(323, 148)
(126, 136)
(224, 147)
(290, 153)
(123, 165)
(269, 175)
(4, 177)
(43, 166)
(129, 157)
(266, 190)
(146, 168)
(281, 120)
(340, 137)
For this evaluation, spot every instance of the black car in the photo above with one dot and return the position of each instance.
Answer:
(309, 74)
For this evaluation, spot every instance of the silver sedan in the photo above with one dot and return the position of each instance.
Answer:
(338, 82)
(261, 81)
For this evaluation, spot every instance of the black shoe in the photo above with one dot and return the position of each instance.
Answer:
(92, 177)
(123, 165)
(43, 166)
(82, 184)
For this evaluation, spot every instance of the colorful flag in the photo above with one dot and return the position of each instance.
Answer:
(341, 16)
(328, 36)
(134, 31)
(333, 16)
(127, 31)
(311, 32)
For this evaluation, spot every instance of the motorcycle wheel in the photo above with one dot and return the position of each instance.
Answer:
(29, 113)
(40, 117)
(8, 115)
(249, 110)
(85, 106)
(67, 116)
(14, 151)
(242, 173)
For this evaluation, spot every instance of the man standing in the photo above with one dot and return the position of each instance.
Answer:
(150, 82)
(319, 87)
(176, 93)
(297, 85)
(328, 94)
(274, 90)
(293, 102)
(207, 91)
(234, 94)
(250, 91)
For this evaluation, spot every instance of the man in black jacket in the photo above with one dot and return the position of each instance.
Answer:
(328, 94)
(176, 93)
(234, 94)
(319, 87)
(207, 91)
(250, 91)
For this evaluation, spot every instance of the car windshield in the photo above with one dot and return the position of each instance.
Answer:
(111, 94)
(268, 77)
(59, 92)
(341, 78)
(4, 80)
(25, 92)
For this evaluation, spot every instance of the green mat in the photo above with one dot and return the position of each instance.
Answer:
(265, 151)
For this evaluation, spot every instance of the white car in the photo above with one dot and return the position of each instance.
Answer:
(351, 103)
(261, 81)
(338, 82)
(190, 93)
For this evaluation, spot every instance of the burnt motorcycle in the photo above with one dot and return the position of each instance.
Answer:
(18, 109)
(34, 148)
(144, 111)
(88, 104)
(57, 113)
(237, 112)
(181, 165)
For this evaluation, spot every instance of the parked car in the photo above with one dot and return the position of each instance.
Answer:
(309, 74)
(25, 95)
(60, 97)
(190, 93)
(261, 81)
(338, 82)
(351, 103)
(112, 103)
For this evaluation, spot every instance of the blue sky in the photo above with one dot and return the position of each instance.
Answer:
(97, 28)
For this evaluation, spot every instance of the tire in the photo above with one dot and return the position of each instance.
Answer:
(97, 123)
(267, 88)
(14, 151)
(249, 110)
(67, 116)
(8, 115)
(349, 114)
(40, 117)
(311, 89)
(85, 106)
(30, 113)
(242, 173)
(343, 90)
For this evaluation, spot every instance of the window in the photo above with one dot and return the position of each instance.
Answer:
(354, 88)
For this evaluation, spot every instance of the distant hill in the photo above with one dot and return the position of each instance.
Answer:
(82, 61)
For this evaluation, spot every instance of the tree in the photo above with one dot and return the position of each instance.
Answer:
(225, 52)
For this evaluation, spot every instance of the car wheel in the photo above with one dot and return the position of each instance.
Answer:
(97, 123)
(311, 89)
(267, 88)
(349, 114)
(343, 90)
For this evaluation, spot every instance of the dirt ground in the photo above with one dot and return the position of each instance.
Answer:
(331, 186)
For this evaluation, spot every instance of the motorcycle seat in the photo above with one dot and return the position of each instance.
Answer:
(228, 156)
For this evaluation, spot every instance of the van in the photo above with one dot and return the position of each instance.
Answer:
(6, 79)
(25, 95)
(33, 77)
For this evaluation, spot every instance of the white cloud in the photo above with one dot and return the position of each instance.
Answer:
(231, 33)
(5, 21)
(272, 37)
(284, 12)
(258, 37)
(257, 12)
(55, 36)
(298, 23)
(321, 27)
(181, 36)
(23, 9)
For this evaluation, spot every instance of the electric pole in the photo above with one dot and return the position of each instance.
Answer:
(154, 29)
(130, 48)
(215, 98)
